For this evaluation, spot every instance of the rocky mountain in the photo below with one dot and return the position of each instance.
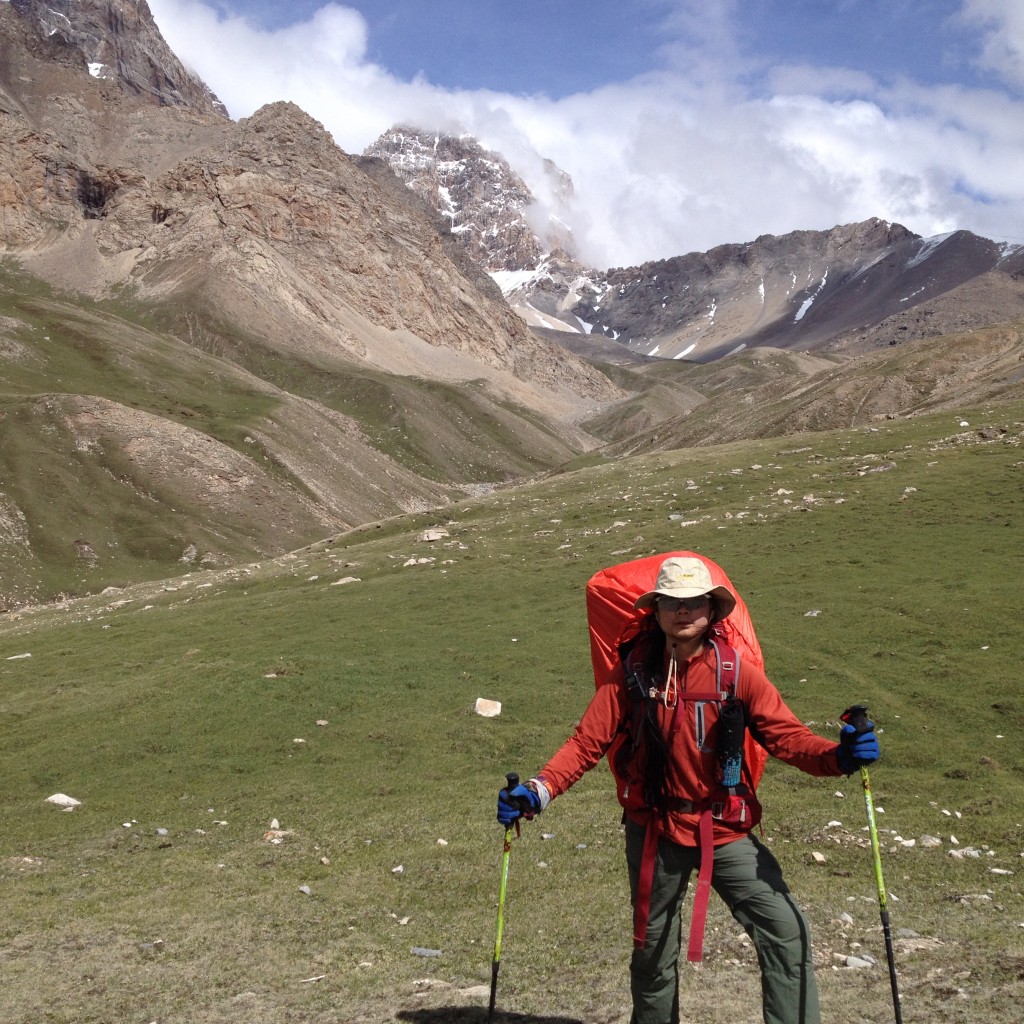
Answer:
(118, 41)
(852, 289)
(266, 222)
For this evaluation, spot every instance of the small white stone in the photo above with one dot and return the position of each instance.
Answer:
(858, 962)
(63, 800)
(430, 536)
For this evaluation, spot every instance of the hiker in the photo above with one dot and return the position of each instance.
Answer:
(688, 794)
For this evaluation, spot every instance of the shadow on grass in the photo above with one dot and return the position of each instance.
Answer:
(476, 1015)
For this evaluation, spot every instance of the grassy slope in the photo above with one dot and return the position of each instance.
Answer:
(55, 345)
(180, 711)
(446, 432)
(767, 392)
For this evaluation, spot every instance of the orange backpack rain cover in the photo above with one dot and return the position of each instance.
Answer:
(612, 621)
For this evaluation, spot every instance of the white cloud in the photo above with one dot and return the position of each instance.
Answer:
(710, 151)
(1002, 49)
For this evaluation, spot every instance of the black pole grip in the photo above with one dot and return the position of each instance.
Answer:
(511, 781)
(857, 716)
(520, 803)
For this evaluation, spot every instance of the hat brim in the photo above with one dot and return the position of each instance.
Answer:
(724, 597)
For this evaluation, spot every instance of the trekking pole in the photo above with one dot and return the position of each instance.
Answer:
(857, 716)
(513, 780)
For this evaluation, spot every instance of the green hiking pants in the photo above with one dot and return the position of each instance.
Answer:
(748, 878)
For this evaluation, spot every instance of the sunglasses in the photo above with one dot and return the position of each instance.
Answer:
(691, 604)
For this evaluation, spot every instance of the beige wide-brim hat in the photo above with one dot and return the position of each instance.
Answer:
(687, 577)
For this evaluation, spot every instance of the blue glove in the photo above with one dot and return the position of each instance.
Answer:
(521, 802)
(857, 749)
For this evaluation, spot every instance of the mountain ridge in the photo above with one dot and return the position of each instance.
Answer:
(831, 290)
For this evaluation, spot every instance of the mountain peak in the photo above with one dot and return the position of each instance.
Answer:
(481, 199)
(120, 41)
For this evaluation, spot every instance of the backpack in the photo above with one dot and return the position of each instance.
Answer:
(613, 624)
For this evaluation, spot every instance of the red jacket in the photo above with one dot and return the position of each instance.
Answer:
(693, 770)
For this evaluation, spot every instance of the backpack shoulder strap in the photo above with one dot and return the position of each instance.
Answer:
(727, 657)
(632, 654)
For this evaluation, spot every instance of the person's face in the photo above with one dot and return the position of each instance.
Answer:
(684, 619)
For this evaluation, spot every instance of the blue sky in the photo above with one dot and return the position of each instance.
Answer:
(683, 123)
(524, 46)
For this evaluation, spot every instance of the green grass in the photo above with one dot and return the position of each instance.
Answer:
(179, 712)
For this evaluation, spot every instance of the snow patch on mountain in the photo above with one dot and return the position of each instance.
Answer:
(928, 247)
(810, 302)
